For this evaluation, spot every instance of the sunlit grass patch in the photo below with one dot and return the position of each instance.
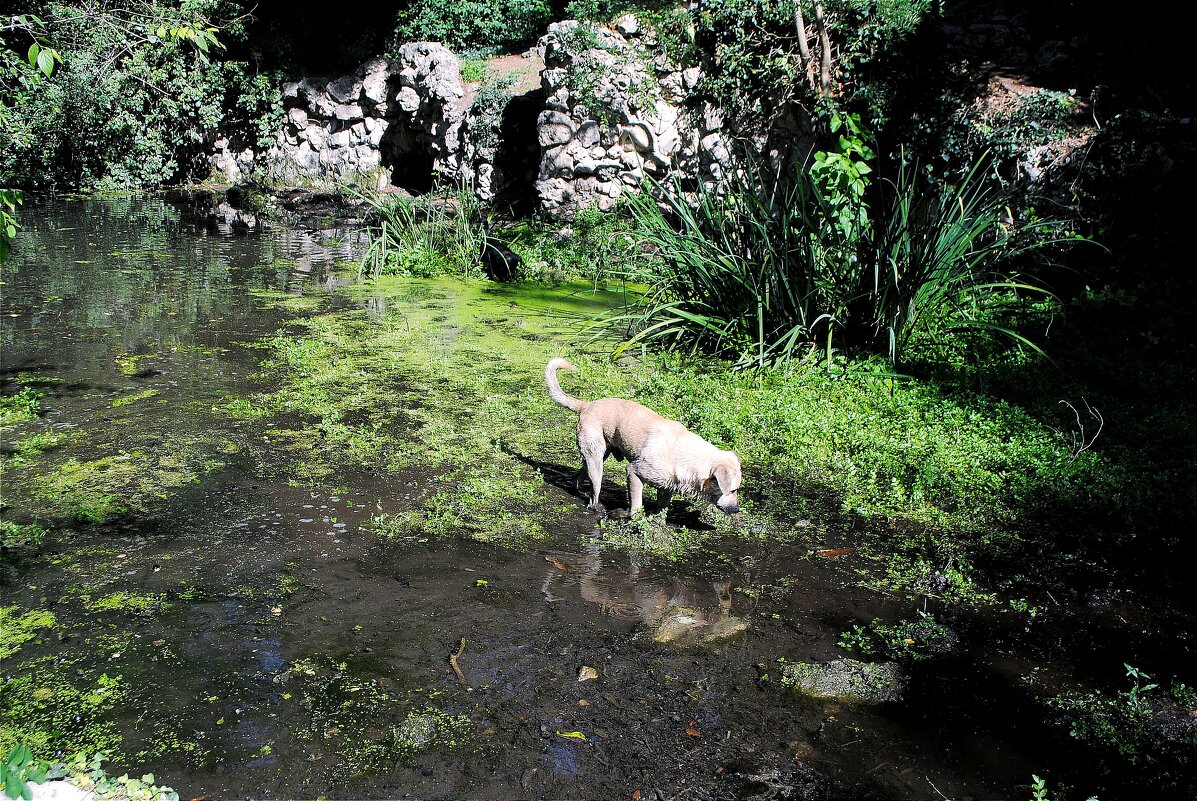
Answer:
(21, 406)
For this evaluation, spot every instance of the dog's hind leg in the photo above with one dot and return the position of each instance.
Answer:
(635, 491)
(594, 451)
(664, 496)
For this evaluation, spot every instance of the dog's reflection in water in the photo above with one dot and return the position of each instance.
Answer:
(682, 611)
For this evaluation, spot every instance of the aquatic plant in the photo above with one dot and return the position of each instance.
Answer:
(424, 236)
(769, 264)
(18, 771)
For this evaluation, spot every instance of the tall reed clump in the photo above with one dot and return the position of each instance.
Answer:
(423, 236)
(940, 261)
(768, 264)
(731, 269)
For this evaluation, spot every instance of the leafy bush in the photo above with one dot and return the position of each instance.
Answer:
(473, 25)
(130, 106)
(754, 58)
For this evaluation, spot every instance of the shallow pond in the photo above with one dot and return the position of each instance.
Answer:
(244, 629)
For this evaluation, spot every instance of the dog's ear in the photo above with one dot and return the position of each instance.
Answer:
(727, 474)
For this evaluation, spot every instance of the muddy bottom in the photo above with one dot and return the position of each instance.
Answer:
(294, 646)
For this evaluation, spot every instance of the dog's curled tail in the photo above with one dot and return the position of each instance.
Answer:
(555, 392)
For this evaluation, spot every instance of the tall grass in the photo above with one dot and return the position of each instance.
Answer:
(733, 268)
(939, 260)
(427, 235)
(762, 269)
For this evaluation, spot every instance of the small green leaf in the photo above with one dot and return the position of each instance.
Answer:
(45, 62)
(34, 50)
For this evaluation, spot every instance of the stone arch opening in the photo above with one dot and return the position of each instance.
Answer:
(407, 158)
(517, 158)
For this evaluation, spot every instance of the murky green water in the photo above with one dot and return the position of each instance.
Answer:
(241, 632)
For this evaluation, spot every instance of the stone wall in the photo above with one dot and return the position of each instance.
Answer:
(363, 124)
(615, 113)
(612, 114)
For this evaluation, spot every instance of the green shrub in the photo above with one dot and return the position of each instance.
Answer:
(472, 25)
(434, 234)
(753, 63)
(127, 108)
(780, 257)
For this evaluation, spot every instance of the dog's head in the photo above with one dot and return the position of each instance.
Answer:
(724, 483)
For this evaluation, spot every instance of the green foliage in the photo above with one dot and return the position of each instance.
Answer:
(751, 267)
(1124, 723)
(136, 101)
(55, 708)
(21, 406)
(474, 25)
(841, 175)
(734, 268)
(1037, 119)
(20, 536)
(9, 200)
(752, 60)
(424, 236)
(905, 641)
(591, 246)
(17, 771)
(486, 114)
(88, 774)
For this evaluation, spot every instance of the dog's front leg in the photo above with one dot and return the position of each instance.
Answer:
(635, 491)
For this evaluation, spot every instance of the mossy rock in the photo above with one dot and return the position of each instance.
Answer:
(847, 680)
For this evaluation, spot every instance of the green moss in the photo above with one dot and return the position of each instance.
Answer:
(139, 604)
(18, 629)
(125, 400)
(130, 363)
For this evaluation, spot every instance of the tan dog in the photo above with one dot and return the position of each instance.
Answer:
(659, 451)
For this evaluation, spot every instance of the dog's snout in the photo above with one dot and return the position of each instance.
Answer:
(728, 507)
